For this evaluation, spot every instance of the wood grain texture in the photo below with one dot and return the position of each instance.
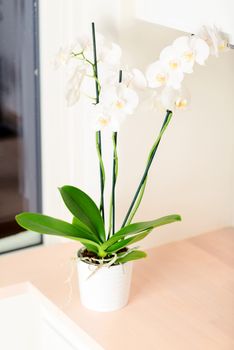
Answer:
(182, 295)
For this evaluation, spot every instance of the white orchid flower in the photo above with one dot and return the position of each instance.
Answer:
(103, 120)
(62, 57)
(65, 54)
(108, 53)
(107, 75)
(215, 39)
(171, 99)
(108, 64)
(84, 45)
(165, 100)
(191, 49)
(171, 61)
(182, 100)
(157, 75)
(108, 58)
(119, 99)
(134, 78)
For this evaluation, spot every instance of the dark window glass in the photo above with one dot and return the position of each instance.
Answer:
(19, 113)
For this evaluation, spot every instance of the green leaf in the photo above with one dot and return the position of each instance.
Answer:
(138, 227)
(125, 242)
(90, 245)
(51, 226)
(84, 209)
(145, 225)
(133, 255)
(80, 225)
(76, 222)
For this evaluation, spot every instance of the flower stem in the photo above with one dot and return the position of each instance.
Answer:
(141, 187)
(138, 202)
(98, 133)
(115, 174)
(114, 178)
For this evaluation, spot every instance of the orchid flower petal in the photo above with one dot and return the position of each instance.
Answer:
(201, 49)
(138, 79)
(62, 57)
(175, 79)
(186, 53)
(156, 75)
(120, 99)
(172, 99)
(170, 58)
(215, 39)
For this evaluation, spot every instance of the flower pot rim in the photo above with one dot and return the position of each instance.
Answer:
(93, 264)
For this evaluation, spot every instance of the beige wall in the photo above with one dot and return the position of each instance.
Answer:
(193, 172)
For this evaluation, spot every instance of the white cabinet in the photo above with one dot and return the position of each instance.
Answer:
(29, 321)
(188, 16)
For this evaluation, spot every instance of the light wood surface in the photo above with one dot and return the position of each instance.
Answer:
(182, 295)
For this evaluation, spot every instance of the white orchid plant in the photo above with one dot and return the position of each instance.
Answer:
(112, 93)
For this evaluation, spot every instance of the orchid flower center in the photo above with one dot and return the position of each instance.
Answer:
(189, 56)
(119, 104)
(173, 64)
(181, 103)
(103, 121)
(223, 45)
(161, 78)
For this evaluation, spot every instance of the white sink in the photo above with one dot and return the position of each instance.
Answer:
(29, 321)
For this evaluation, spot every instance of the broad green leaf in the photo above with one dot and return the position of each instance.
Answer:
(133, 255)
(145, 225)
(125, 242)
(51, 226)
(76, 222)
(84, 209)
(90, 245)
(81, 226)
(138, 227)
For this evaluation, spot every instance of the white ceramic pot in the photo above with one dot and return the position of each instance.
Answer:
(104, 289)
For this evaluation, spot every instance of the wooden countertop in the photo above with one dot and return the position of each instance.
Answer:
(182, 295)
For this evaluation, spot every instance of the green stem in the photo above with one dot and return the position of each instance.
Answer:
(141, 187)
(95, 62)
(138, 202)
(115, 174)
(114, 178)
(100, 157)
(98, 133)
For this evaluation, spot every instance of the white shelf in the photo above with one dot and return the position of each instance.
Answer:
(29, 321)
